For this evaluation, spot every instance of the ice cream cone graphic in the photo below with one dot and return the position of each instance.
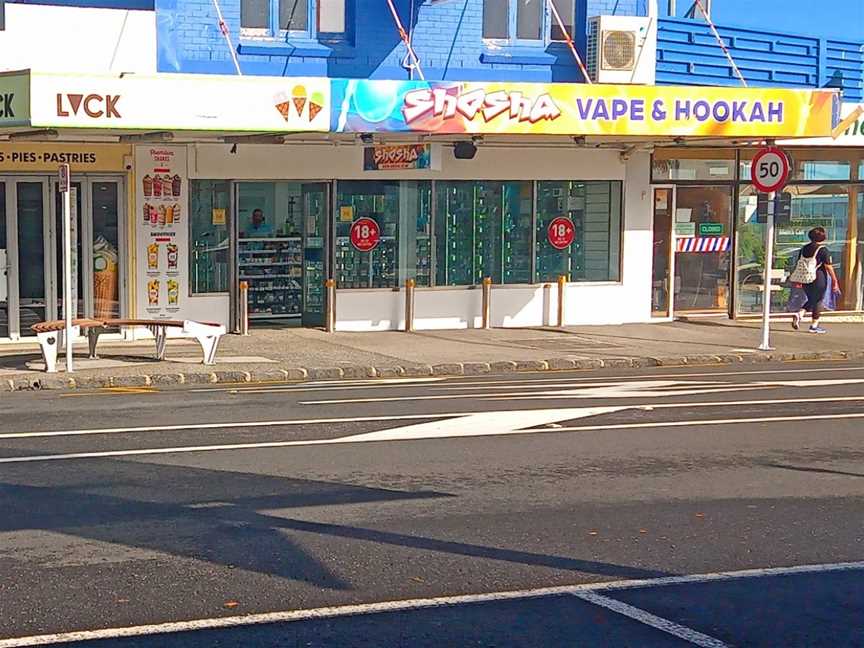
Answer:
(316, 105)
(283, 105)
(299, 97)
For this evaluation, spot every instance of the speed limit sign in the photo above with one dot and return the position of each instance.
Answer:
(770, 169)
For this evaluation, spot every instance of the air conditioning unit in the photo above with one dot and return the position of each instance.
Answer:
(622, 49)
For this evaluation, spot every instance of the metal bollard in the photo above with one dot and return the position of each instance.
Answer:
(562, 282)
(409, 305)
(330, 312)
(487, 302)
(244, 308)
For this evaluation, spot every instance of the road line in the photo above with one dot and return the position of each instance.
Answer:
(450, 383)
(670, 627)
(379, 436)
(234, 425)
(399, 417)
(417, 604)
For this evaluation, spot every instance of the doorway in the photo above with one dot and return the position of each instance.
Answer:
(663, 259)
(31, 250)
(282, 250)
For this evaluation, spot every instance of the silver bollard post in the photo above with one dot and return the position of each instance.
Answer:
(487, 302)
(244, 308)
(409, 305)
(330, 312)
(562, 282)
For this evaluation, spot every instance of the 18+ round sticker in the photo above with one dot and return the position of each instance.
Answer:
(560, 233)
(365, 234)
(769, 170)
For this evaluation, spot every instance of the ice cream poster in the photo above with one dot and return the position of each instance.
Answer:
(161, 232)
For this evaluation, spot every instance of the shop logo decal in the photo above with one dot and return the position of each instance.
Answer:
(441, 103)
(93, 105)
(6, 110)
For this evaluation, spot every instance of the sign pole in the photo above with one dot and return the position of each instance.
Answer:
(768, 173)
(769, 262)
(65, 187)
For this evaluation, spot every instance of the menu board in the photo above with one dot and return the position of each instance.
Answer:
(162, 234)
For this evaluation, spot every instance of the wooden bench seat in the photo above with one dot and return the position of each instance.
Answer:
(50, 335)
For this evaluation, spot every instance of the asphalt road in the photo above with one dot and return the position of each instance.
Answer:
(674, 506)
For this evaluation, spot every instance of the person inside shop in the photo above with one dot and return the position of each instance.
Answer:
(259, 227)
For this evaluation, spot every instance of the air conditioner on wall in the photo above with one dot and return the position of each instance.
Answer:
(622, 49)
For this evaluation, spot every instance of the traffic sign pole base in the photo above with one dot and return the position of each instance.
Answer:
(765, 347)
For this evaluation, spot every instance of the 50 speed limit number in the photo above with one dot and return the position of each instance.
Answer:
(769, 170)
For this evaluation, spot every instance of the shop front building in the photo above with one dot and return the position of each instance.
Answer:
(31, 232)
(376, 183)
(707, 212)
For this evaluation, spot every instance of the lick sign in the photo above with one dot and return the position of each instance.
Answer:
(365, 234)
(560, 233)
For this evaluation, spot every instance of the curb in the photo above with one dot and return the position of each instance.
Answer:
(41, 381)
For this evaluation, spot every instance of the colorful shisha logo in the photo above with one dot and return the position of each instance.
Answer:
(439, 102)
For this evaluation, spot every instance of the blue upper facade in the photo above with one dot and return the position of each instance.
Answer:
(447, 35)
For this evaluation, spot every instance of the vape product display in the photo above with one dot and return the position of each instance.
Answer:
(274, 269)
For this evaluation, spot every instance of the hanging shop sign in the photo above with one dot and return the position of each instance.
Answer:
(560, 233)
(579, 109)
(162, 239)
(365, 234)
(32, 156)
(180, 102)
(399, 157)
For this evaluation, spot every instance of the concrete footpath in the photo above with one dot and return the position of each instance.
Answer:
(286, 354)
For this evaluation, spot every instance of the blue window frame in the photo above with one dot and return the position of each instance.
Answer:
(310, 19)
(514, 21)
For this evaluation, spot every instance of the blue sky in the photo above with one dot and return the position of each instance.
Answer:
(843, 19)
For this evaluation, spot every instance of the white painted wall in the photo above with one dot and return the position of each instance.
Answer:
(453, 308)
(73, 39)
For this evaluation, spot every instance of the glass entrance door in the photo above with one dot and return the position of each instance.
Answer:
(663, 259)
(4, 266)
(315, 210)
(35, 281)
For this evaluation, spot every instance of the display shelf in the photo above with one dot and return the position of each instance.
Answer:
(275, 239)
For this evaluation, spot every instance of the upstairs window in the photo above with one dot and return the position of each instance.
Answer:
(271, 18)
(513, 20)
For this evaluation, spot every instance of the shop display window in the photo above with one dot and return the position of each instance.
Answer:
(594, 208)
(812, 205)
(695, 169)
(208, 222)
(483, 229)
(401, 209)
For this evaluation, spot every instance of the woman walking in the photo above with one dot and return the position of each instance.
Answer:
(812, 271)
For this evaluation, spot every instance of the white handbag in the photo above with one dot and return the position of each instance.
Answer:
(805, 269)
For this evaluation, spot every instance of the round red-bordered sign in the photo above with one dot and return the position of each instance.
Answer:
(560, 233)
(365, 234)
(769, 170)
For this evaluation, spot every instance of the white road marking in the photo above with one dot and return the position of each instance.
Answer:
(625, 389)
(395, 417)
(417, 604)
(403, 434)
(682, 632)
(451, 383)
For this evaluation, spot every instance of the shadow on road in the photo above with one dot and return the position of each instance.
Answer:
(213, 515)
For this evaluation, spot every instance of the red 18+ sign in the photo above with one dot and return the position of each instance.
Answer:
(769, 170)
(365, 234)
(560, 233)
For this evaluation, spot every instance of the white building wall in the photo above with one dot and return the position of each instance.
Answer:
(450, 308)
(73, 39)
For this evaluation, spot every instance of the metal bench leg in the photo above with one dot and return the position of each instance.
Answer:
(92, 341)
(49, 342)
(209, 343)
(161, 335)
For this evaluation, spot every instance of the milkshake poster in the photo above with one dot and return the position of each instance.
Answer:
(161, 191)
